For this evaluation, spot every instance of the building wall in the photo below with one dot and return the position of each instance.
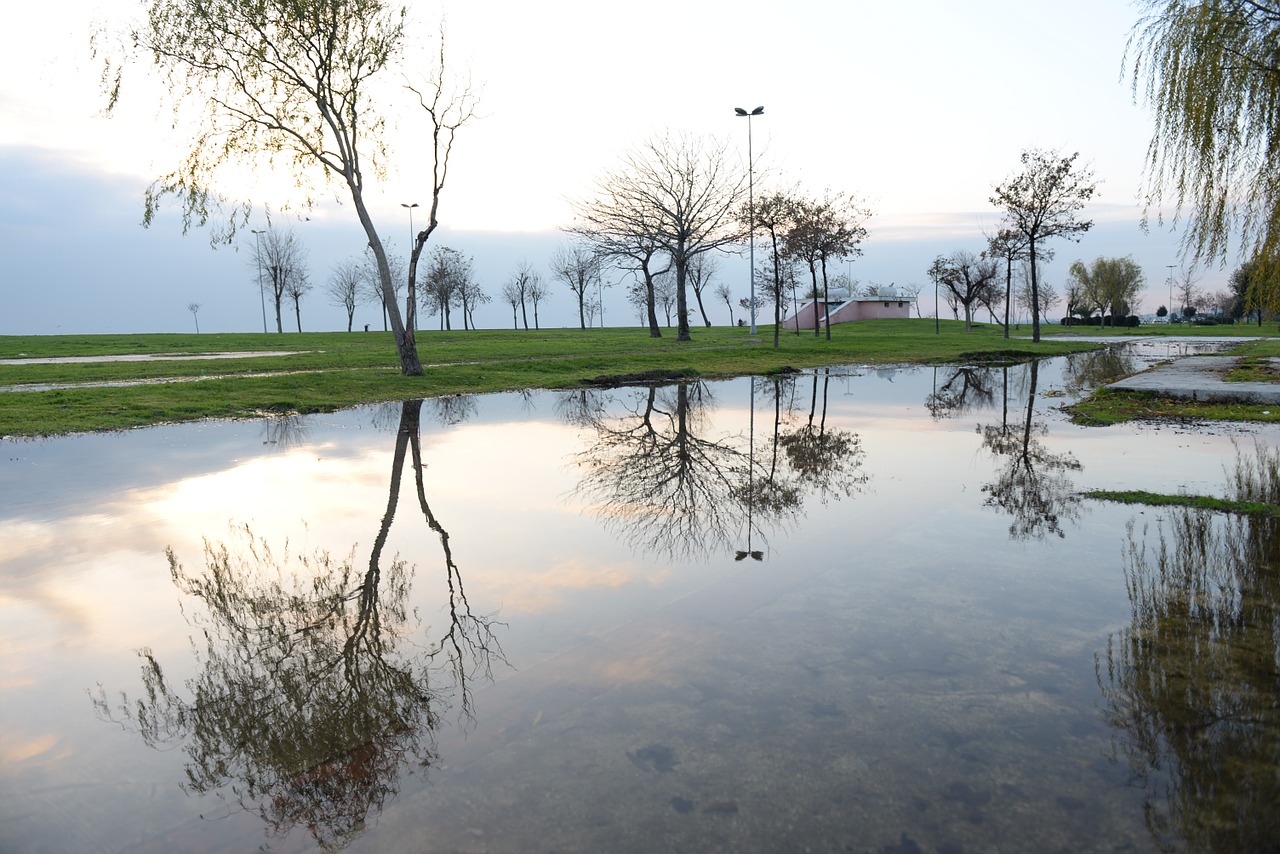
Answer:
(853, 310)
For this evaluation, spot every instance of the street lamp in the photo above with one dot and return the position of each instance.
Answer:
(1170, 266)
(410, 207)
(262, 296)
(751, 208)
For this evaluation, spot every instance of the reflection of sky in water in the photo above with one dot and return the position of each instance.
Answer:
(866, 613)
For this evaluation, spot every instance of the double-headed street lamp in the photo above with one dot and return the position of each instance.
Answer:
(751, 208)
(410, 207)
(262, 296)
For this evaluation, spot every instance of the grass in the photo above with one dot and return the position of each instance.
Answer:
(330, 371)
(320, 372)
(1200, 502)
(1252, 488)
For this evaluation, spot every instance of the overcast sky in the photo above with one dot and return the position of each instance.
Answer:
(919, 109)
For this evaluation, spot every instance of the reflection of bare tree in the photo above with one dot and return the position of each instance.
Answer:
(654, 474)
(310, 696)
(453, 409)
(962, 390)
(285, 431)
(1034, 486)
(1090, 369)
(1191, 685)
(827, 459)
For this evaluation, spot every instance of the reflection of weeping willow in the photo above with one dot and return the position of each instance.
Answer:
(653, 474)
(1090, 369)
(305, 707)
(828, 460)
(1193, 684)
(1034, 486)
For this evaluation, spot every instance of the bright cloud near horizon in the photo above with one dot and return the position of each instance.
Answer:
(918, 109)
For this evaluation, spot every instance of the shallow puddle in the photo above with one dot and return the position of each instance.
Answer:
(851, 610)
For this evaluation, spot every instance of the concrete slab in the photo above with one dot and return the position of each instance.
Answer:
(1199, 378)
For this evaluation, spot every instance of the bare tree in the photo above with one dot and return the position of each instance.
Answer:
(967, 277)
(372, 281)
(825, 230)
(446, 273)
(536, 292)
(1010, 246)
(1186, 287)
(724, 293)
(702, 268)
(446, 114)
(194, 308)
(681, 193)
(282, 259)
(294, 289)
(774, 214)
(578, 266)
(516, 291)
(1042, 202)
(343, 287)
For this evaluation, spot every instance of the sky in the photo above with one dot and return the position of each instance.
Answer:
(917, 109)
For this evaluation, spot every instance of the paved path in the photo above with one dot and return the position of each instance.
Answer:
(1199, 378)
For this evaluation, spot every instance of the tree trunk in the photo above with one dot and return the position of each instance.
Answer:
(406, 348)
(682, 300)
(1035, 292)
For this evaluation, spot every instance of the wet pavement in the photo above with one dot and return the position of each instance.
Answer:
(1199, 378)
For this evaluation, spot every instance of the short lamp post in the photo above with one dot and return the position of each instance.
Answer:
(751, 209)
(262, 295)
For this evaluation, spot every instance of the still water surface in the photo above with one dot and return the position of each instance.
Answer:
(851, 610)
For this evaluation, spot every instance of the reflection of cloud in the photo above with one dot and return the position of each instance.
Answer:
(529, 592)
(16, 748)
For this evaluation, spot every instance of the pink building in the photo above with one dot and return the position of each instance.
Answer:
(885, 302)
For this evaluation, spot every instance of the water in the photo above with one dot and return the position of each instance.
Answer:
(858, 609)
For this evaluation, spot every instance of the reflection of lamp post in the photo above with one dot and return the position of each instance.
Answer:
(262, 296)
(751, 475)
(751, 208)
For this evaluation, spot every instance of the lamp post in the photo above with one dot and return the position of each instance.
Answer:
(1170, 266)
(751, 208)
(412, 309)
(410, 207)
(262, 297)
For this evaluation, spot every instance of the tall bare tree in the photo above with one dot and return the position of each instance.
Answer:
(282, 81)
(446, 115)
(1010, 246)
(282, 259)
(824, 230)
(679, 192)
(1042, 202)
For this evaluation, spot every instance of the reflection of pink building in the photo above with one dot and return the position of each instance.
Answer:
(885, 302)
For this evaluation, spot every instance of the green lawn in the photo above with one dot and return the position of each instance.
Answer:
(333, 370)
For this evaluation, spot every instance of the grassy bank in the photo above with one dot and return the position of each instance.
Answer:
(315, 372)
(1248, 362)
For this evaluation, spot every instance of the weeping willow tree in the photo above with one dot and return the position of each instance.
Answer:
(1210, 72)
